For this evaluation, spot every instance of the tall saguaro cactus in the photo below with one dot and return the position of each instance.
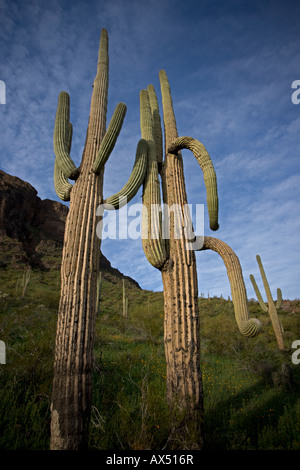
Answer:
(271, 308)
(72, 383)
(175, 258)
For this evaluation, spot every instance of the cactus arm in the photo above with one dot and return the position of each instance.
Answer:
(62, 137)
(278, 330)
(61, 184)
(209, 174)
(248, 326)
(135, 180)
(153, 243)
(110, 137)
(69, 135)
(157, 131)
(258, 294)
(170, 126)
(279, 298)
(265, 281)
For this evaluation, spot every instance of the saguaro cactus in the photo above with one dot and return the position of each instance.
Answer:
(271, 308)
(71, 397)
(175, 259)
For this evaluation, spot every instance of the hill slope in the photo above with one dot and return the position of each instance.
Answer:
(32, 230)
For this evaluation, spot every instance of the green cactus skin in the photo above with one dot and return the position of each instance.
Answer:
(61, 184)
(62, 137)
(153, 243)
(157, 130)
(135, 180)
(110, 138)
(279, 299)
(209, 174)
(249, 327)
(271, 308)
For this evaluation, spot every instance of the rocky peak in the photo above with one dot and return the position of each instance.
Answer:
(32, 229)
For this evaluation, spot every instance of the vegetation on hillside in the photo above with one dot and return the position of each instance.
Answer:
(251, 389)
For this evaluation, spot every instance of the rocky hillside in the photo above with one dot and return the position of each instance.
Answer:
(32, 230)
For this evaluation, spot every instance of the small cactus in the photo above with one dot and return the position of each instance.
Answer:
(25, 281)
(271, 308)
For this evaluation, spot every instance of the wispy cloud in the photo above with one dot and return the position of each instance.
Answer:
(230, 66)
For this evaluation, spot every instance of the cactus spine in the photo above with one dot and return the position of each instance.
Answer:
(72, 383)
(271, 308)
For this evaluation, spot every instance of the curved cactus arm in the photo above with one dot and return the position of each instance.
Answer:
(135, 180)
(153, 243)
(61, 184)
(209, 173)
(248, 326)
(62, 137)
(258, 294)
(110, 137)
(279, 298)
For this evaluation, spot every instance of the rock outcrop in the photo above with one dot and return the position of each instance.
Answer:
(32, 229)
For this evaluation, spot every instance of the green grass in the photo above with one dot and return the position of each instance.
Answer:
(249, 401)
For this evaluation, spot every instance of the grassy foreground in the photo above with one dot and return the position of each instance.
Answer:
(252, 393)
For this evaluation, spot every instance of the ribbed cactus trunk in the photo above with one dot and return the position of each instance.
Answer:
(72, 387)
(181, 314)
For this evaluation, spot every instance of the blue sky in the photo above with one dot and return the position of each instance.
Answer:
(231, 65)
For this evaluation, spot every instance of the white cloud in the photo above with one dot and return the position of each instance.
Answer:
(230, 72)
